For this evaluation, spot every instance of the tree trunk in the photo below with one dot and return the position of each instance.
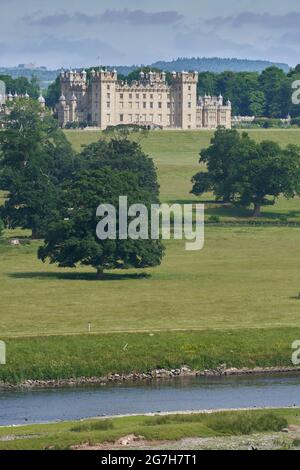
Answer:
(100, 273)
(257, 210)
(34, 234)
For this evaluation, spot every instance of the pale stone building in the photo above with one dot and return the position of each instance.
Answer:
(104, 101)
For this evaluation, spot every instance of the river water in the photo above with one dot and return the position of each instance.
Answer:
(182, 394)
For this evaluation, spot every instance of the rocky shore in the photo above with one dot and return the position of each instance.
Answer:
(157, 374)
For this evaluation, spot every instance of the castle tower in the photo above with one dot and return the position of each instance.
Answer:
(184, 89)
(73, 109)
(63, 111)
(103, 96)
(42, 101)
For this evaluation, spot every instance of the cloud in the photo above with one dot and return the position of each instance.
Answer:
(57, 19)
(289, 20)
(133, 17)
(141, 17)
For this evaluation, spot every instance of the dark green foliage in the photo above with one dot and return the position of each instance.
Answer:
(35, 157)
(72, 240)
(53, 93)
(122, 155)
(21, 85)
(244, 172)
(1, 228)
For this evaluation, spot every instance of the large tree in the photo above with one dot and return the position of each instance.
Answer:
(246, 173)
(72, 239)
(122, 155)
(35, 158)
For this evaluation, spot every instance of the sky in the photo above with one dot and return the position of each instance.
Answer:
(76, 33)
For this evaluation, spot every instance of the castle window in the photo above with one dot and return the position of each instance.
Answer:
(151, 104)
(121, 96)
(108, 104)
(137, 117)
(151, 97)
(137, 104)
(121, 105)
(169, 105)
(130, 104)
(160, 104)
(137, 96)
(108, 117)
(189, 97)
(144, 96)
(160, 118)
(121, 117)
(144, 105)
(130, 96)
(130, 117)
(190, 117)
(108, 87)
(190, 87)
(108, 96)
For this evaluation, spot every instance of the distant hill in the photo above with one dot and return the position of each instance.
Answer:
(200, 64)
(45, 77)
(217, 65)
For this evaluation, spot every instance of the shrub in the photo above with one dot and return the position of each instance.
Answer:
(246, 423)
(215, 219)
(104, 425)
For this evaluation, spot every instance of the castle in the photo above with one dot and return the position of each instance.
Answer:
(151, 101)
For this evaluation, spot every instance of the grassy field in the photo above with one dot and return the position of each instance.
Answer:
(176, 154)
(244, 282)
(243, 278)
(155, 430)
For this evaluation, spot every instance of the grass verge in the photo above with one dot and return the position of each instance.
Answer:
(64, 357)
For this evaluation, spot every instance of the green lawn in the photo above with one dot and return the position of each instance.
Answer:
(153, 429)
(245, 280)
(176, 154)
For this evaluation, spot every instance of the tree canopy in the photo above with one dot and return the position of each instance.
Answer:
(35, 157)
(244, 172)
(122, 155)
(72, 239)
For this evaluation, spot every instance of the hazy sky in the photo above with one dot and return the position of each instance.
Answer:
(63, 33)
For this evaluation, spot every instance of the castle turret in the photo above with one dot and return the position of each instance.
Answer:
(73, 108)
(42, 101)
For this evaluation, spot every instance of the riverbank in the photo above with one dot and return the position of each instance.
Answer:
(277, 428)
(78, 359)
(155, 375)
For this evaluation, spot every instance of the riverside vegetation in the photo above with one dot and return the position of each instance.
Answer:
(239, 296)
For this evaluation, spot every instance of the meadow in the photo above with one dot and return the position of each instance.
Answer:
(244, 283)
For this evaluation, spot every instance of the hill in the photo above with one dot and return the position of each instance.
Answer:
(218, 65)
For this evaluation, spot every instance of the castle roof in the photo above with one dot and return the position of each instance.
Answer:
(41, 99)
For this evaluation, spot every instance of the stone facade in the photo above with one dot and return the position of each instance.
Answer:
(104, 101)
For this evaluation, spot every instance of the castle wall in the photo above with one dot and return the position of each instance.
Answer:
(150, 101)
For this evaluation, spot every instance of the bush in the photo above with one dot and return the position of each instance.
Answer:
(215, 219)
(104, 425)
(246, 423)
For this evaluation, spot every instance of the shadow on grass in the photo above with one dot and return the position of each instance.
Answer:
(79, 276)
